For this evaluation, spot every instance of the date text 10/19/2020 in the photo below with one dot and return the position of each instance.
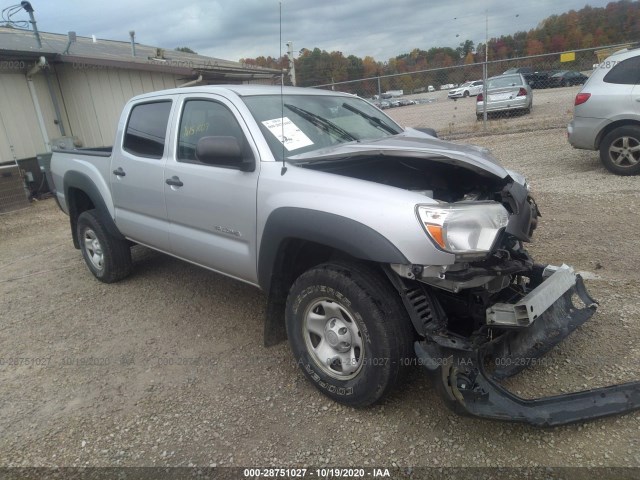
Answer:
(326, 472)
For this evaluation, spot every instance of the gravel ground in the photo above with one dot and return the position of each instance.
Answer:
(167, 368)
(552, 108)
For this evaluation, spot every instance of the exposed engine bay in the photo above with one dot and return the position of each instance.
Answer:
(433, 178)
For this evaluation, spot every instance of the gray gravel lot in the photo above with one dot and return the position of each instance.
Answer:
(552, 108)
(168, 368)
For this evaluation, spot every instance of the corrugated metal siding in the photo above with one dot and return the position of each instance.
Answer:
(94, 98)
(19, 120)
(46, 105)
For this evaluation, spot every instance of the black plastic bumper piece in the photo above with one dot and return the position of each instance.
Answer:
(522, 347)
(468, 389)
(471, 391)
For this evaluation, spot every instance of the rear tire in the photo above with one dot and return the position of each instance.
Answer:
(108, 258)
(349, 332)
(620, 150)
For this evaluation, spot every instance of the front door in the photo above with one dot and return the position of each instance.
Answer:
(212, 207)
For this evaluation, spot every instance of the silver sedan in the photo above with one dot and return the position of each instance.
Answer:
(505, 93)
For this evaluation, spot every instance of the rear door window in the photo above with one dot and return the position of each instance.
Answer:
(626, 72)
(147, 129)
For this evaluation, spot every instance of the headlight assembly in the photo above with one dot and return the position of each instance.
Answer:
(464, 228)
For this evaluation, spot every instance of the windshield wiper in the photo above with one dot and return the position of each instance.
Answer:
(375, 121)
(321, 122)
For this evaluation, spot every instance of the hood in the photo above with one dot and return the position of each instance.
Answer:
(411, 144)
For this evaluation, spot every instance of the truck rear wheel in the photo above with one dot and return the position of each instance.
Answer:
(349, 332)
(108, 258)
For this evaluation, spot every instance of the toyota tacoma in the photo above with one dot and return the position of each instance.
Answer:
(378, 247)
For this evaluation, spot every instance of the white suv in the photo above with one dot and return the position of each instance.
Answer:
(607, 113)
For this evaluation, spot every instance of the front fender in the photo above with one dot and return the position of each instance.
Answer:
(331, 230)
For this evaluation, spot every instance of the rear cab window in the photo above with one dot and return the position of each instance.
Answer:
(146, 130)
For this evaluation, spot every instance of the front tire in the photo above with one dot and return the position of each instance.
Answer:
(108, 258)
(465, 94)
(349, 332)
(620, 151)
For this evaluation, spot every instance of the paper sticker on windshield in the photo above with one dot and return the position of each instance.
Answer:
(288, 133)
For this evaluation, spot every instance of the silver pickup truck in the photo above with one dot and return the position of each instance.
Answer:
(378, 247)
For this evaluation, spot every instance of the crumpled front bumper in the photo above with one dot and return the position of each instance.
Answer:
(459, 365)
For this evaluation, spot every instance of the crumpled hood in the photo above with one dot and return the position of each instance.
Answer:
(411, 144)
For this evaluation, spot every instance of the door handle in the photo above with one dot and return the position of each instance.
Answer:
(119, 172)
(174, 181)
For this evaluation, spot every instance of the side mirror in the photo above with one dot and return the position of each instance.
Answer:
(223, 151)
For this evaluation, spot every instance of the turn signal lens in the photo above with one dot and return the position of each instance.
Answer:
(436, 233)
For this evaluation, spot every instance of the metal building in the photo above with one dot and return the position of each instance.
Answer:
(67, 90)
(76, 86)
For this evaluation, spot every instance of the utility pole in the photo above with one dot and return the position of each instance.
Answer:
(485, 69)
(292, 65)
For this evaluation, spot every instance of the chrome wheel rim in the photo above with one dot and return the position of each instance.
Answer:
(333, 339)
(625, 152)
(93, 249)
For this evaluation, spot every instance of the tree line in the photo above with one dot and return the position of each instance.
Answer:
(588, 27)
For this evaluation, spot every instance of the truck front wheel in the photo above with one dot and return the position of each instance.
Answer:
(349, 332)
(108, 258)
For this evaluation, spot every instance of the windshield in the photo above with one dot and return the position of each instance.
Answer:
(311, 122)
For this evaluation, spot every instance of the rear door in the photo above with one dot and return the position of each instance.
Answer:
(212, 207)
(137, 174)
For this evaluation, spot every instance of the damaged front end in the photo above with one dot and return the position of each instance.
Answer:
(485, 320)
(514, 335)
(491, 311)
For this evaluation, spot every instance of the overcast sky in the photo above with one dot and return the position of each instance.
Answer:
(248, 28)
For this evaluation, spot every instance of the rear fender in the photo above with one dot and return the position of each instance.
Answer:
(79, 181)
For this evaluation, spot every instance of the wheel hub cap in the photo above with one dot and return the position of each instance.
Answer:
(93, 249)
(338, 335)
(333, 339)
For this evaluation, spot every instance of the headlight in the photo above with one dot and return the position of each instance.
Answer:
(464, 228)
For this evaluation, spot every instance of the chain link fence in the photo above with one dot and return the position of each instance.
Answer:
(453, 100)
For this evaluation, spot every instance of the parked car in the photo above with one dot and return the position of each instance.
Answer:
(406, 101)
(505, 93)
(534, 78)
(606, 115)
(466, 89)
(377, 247)
(566, 78)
